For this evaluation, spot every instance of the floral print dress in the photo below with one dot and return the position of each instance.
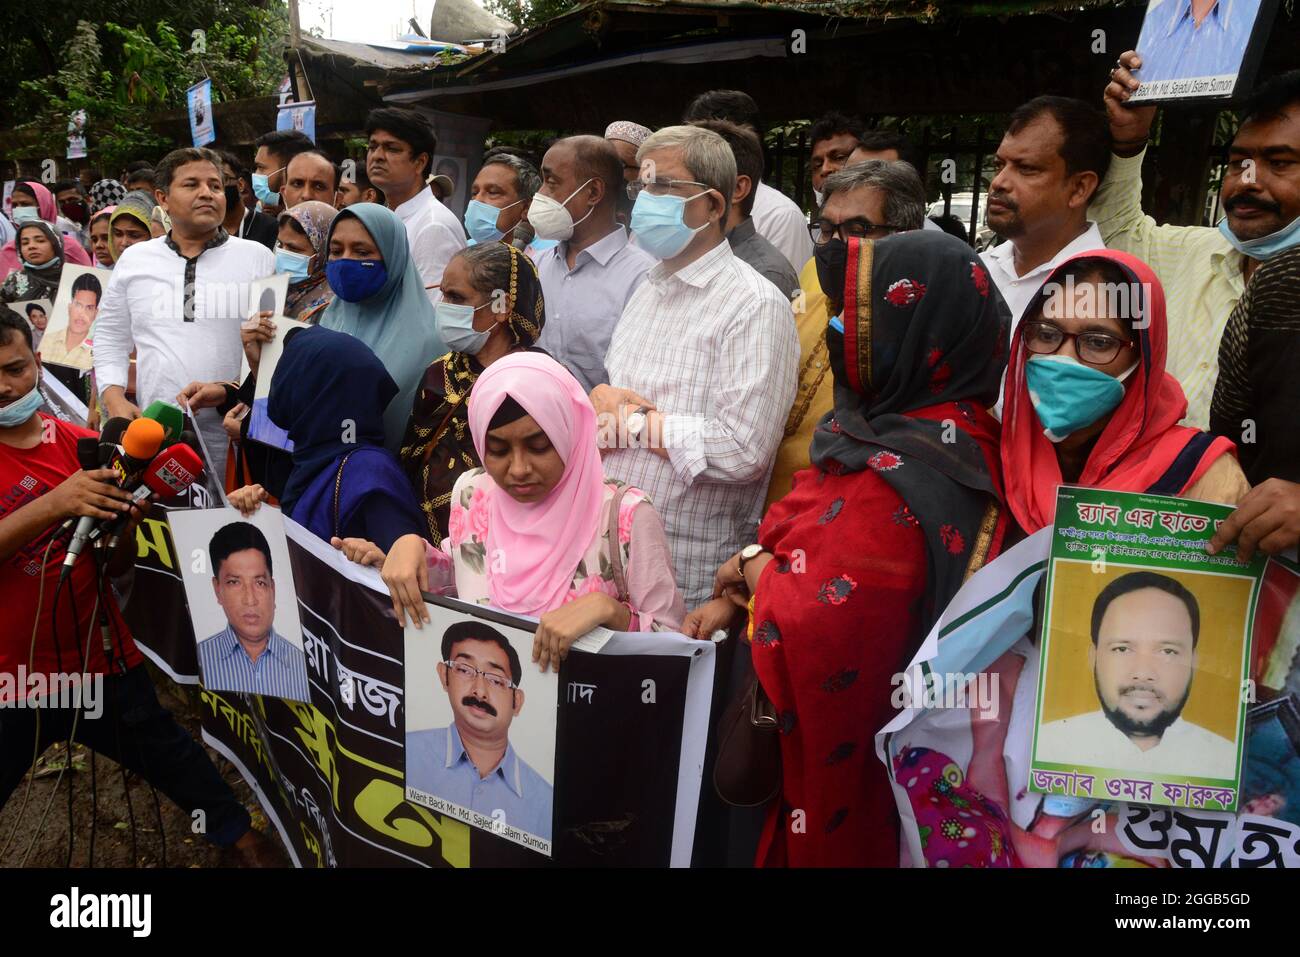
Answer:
(653, 597)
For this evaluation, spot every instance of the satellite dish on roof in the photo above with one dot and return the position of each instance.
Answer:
(463, 20)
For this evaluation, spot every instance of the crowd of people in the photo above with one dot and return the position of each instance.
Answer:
(670, 398)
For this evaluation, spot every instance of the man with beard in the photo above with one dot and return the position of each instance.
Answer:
(1203, 269)
(471, 763)
(1145, 629)
(1049, 163)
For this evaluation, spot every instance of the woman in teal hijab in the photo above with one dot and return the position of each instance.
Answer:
(379, 298)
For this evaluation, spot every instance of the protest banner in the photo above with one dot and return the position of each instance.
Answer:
(198, 101)
(297, 116)
(329, 774)
(959, 751)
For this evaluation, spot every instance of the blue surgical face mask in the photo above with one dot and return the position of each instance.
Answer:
(356, 279)
(659, 223)
(1068, 395)
(1265, 247)
(295, 264)
(481, 220)
(56, 261)
(25, 214)
(837, 324)
(20, 410)
(456, 324)
(262, 189)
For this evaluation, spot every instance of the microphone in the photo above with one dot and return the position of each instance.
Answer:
(88, 453)
(524, 234)
(169, 416)
(109, 437)
(140, 442)
(95, 452)
(171, 472)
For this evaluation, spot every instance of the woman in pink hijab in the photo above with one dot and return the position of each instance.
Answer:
(531, 531)
(24, 193)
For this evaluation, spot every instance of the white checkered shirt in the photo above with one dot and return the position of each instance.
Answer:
(713, 346)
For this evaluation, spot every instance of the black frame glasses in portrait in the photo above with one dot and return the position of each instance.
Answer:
(867, 230)
(469, 673)
(635, 187)
(1093, 354)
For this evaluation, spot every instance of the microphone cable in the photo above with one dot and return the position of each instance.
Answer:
(40, 827)
(110, 628)
(36, 740)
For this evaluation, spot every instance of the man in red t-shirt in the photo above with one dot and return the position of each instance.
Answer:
(51, 632)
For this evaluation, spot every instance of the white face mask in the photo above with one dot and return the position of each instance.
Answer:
(551, 219)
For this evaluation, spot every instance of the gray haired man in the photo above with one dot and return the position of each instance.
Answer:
(702, 362)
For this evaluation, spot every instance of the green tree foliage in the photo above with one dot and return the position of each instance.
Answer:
(527, 14)
(124, 71)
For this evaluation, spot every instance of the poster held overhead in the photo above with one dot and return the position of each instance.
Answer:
(1201, 49)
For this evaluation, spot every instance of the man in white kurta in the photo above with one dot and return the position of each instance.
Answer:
(178, 301)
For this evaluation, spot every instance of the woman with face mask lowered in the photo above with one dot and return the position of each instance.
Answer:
(33, 202)
(1088, 400)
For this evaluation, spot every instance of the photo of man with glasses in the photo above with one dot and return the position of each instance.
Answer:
(471, 763)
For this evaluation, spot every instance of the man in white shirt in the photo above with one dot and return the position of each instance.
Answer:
(776, 217)
(702, 365)
(1145, 630)
(1051, 160)
(179, 300)
(399, 155)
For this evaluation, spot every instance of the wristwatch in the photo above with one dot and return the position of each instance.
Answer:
(746, 553)
(636, 421)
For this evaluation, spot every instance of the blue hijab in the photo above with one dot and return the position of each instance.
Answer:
(397, 322)
(329, 393)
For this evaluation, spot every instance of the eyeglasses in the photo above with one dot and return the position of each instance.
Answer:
(660, 187)
(469, 673)
(823, 232)
(1098, 348)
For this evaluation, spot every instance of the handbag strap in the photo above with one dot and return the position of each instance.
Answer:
(615, 549)
(338, 485)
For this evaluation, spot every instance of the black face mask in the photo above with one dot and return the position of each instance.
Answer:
(233, 199)
(74, 210)
(832, 264)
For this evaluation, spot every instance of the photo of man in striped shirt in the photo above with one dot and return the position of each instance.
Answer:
(248, 654)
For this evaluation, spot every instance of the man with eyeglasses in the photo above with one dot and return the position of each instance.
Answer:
(471, 763)
(399, 155)
(702, 362)
(871, 200)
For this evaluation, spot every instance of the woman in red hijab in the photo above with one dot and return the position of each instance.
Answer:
(1088, 400)
(900, 505)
